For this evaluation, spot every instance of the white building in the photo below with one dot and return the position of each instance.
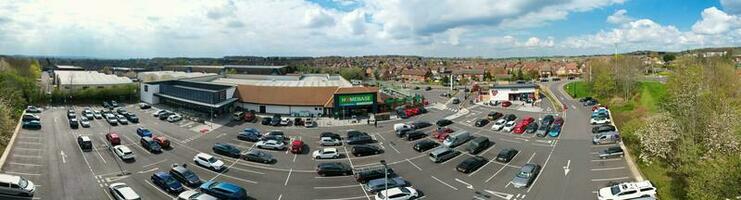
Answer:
(513, 92)
(169, 75)
(78, 80)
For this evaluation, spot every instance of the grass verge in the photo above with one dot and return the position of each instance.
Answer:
(578, 89)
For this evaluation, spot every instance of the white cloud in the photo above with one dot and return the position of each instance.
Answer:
(619, 17)
(317, 18)
(537, 42)
(715, 21)
(731, 6)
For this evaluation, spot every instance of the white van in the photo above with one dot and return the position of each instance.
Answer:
(606, 138)
(401, 126)
(457, 138)
(11, 185)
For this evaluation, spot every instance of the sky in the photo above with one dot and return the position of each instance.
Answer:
(436, 28)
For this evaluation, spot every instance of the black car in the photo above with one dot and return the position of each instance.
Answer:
(331, 135)
(266, 121)
(585, 99)
(164, 115)
(590, 102)
(363, 150)
(364, 175)
(333, 169)
(259, 156)
(144, 106)
(403, 131)
(506, 155)
(185, 176)
(227, 150)
(428, 88)
(547, 120)
(275, 121)
(248, 136)
(510, 117)
(32, 125)
(481, 122)
(414, 135)
(532, 127)
(494, 115)
(362, 139)
(132, 118)
(73, 123)
(354, 133)
(456, 101)
(30, 117)
(421, 124)
(443, 122)
(425, 145)
(471, 164)
(603, 128)
(150, 145)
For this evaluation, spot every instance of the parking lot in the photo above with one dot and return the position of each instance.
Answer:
(51, 158)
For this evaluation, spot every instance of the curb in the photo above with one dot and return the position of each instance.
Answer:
(11, 142)
(552, 98)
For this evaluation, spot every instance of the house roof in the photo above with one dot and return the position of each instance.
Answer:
(277, 95)
(414, 72)
(353, 90)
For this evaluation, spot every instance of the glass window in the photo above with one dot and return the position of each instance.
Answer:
(146, 88)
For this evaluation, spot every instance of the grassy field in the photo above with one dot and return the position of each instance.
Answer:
(628, 117)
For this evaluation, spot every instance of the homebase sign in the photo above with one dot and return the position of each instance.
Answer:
(355, 99)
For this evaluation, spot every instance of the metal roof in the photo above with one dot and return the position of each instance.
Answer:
(518, 85)
(89, 78)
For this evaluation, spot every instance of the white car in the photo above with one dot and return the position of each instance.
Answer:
(326, 153)
(208, 161)
(122, 119)
(158, 112)
(123, 152)
(174, 118)
(16, 185)
(329, 141)
(509, 126)
(398, 193)
(627, 190)
(97, 115)
(85, 123)
(121, 191)
(271, 144)
(308, 123)
(402, 126)
(195, 195)
(285, 121)
(599, 120)
(498, 124)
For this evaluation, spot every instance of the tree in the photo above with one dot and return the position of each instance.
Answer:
(669, 57)
(231, 71)
(658, 139)
(353, 73)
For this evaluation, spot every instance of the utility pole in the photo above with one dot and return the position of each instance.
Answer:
(386, 179)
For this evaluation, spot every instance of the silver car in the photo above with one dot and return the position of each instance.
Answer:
(526, 175)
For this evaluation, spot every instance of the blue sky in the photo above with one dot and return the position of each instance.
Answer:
(447, 28)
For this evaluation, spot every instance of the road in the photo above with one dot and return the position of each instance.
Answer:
(51, 158)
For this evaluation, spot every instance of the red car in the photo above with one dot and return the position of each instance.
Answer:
(297, 146)
(162, 141)
(250, 117)
(528, 119)
(506, 104)
(113, 138)
(519, 129)
(558, 121)
(442, 133)
(598, 106)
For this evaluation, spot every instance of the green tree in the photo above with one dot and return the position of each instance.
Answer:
(353, 73)
(669, 57)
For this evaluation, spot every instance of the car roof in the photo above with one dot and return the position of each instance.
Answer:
(528, 168)
(7, 178)
(162, 174)
(204, 155)
(228, 186)
(330, 149)
(123, 148)
(125, 190)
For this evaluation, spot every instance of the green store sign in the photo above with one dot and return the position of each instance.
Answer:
(355, 99)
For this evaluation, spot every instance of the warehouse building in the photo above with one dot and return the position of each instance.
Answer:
(514, 92)
(203, 97)
(239, 69)
(70, 81)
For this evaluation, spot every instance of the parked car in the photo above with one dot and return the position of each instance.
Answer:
(331, 135)
(122, 119)
(398, 193)
(376, 185)
(425, 145)
(443, 122)
(442, 133)
(363, 139)
(30, 117)
(275, 120)
(158, 112)
(165, 115)
(420, 124)
(456, 100)
(13, 185)
(471, 164)
(506, 155)
(224, 190)
(88, 114)
(249, 136)
(32, 125)
(414, 135)
(124, 153)
(354, 133)
(185, 175)
(363, 150)
(481, 122)
(557, 121)
(174, 118)
(86, 144)
(479, 144)
(111, 119)
(499, 124)
(132, 118)
(509, 126)
(510, 117)
(603, 128)
(526, 175)
(599, 120)
(531, 128)
(85, 123)
(266, 121)
(325, 153)
(195, 195)
(271, 144)
(590, 102)
(259, 156)
(442, 154)
(606, 138)
(208, 161)
(143, 132)
(285, 122)
(401, 132)
(227, 150)
(121, 191)
(627, 190)
(73, 123)
(542, 131)
(363, 175)
(97, 115)
(506, 104)
(144, 106)
(555, 131)
(150, 145)
(333, 169)
(162, 141)
(308, 123)
(164, 181)
(611, 152)
(33, 109)
(113, 138)
(329, 141)
(585, 99)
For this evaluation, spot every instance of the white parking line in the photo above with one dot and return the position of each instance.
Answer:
(158, 162)
(610, 179)
(415, 165)
(607, 169)
(544, 165)
(613, 159)
(22, 173)
(158, 189)
(27, 149)
(495, 174)
(444, 183)
(531, 158)
(348, 158)
(25, 156)
(288, 177)
(25, 164)
(392, 146)
(245, 170)
(348, 198)
(336, 187)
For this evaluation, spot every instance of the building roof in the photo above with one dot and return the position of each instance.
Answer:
(300, 80)
(354, 90)
(281, 95)
(517, 85)
(414, 72)
(169, 75)
(198, 66)
(468, 71)
(68, 67)
(89, 78)
(255, 66)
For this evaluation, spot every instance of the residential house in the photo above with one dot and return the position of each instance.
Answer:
(415, 75)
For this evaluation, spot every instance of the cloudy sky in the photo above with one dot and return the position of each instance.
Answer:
(450, 28)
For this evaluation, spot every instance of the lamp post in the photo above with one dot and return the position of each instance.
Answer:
(386, 179)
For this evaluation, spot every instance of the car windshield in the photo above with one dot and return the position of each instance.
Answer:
(170, 181)
(189, 175)
(23, 183)
(615, 190)
(523, 174)
(212, 160)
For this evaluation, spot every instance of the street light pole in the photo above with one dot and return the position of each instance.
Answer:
(386, 179)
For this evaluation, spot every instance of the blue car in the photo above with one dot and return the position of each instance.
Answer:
(379, 184)
(167, 182)
(143, 132)
(555, 131)
(249, 134)
(224, 190)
